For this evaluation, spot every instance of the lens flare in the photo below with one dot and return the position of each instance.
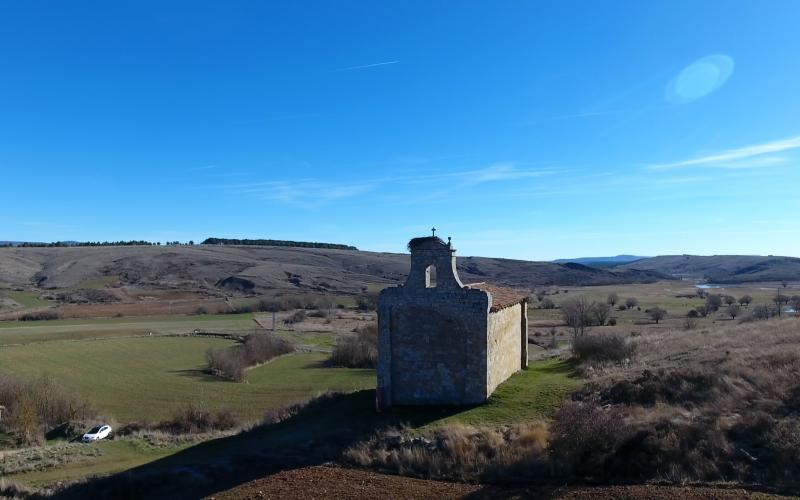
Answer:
(699, 79)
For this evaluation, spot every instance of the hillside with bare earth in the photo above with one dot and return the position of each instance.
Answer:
(258, 269)
(732, 269)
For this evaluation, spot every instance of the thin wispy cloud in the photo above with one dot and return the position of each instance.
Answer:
(307, 193)
(365, 66)
(492, 173)
(501, 172)
(313, 192)
(757, 156)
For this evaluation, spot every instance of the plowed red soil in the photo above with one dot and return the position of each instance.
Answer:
(325, 482)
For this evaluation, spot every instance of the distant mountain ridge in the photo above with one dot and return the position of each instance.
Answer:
(602, 261)
(725, 269)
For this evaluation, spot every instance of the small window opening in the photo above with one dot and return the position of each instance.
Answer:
(430, 277)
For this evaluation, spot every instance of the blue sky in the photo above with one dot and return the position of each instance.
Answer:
(532, 130)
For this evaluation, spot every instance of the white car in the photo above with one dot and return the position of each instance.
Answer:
(97, 433)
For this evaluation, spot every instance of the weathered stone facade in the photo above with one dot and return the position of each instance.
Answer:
(443, 343)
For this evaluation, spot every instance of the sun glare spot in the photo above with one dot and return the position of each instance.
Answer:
(699, 79)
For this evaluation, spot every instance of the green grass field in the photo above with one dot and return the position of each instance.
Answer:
(26, 299)
(149, 378)
(17, 332)
(533, 393)
(322, 340)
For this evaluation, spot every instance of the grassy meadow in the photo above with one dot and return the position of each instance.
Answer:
(17, 332)
(149, 378)
(669, 295)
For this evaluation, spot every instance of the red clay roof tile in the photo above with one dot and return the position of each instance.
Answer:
(502, 297)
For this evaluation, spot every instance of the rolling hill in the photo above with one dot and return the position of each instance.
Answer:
(260, 269)
(729, 269)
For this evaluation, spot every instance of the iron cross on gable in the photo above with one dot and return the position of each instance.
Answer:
(433, 230)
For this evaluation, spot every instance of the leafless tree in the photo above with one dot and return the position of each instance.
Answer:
(600, 313)
(577, 314)
(713, 302)
(612, 299)
(734, 310)
(730, 299)
(657, 314)
(631, 302)
(745, 300)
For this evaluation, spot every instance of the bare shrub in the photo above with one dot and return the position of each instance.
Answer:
(261, 347)
(33, 407)
(10, 489)
(673, 450)
(40, 316)
(688, 388)
(296, 317)
(773, 443)
(233, 362)
(606, 347)
(194, 419)
(227, 363)
(359, 350)
(583, 437)
(457, 452)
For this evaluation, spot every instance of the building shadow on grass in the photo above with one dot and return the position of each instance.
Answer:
(316, 433)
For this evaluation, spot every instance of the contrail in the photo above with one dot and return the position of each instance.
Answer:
(367, 66)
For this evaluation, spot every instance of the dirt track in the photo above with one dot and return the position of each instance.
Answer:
(324, 482)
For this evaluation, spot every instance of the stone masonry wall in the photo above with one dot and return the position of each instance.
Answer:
(432, 346)
(504, 350)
